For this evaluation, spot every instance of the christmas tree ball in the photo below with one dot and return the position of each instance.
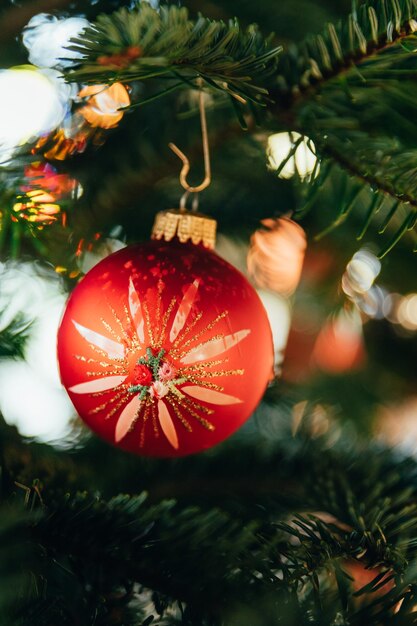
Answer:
(164, 348)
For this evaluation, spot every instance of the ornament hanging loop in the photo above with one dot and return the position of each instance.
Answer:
(183, 202)
(206, 151)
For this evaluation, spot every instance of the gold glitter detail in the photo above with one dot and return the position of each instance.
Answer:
(185, 332)
(101, 363)
(202, 367)
(184, 403)
(148, 324)
(142, 435)
(114, 410)
(180, 416)
(111, 330)
(146, 414)
(196, 405)
(165, 322)
(204, 383)
(154, 412)
(121, 325)
(133, 350)
(97, 394)
(105, 374)
(200, 345)
(105, 405)
(159, 303)
(133, 338)
(138, 414)
(206, 329)
(223, 373)
(102, 353)
(175, 390)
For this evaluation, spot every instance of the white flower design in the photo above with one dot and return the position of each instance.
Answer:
(158, 390)
(172, 373)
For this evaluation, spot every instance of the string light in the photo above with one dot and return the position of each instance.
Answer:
(33, 102)
(35, 295)
(373, 300)
(46, 38)
(303, 159)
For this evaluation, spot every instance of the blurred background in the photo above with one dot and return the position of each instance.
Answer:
(80, 178)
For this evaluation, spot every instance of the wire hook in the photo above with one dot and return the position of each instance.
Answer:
(206, 151)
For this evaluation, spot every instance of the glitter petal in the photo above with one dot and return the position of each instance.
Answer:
(209, 395)
(136, 311)
(113, 349)
(126, 419)
(167, 424)
(211, 348)
(100, 384)
(183, 310)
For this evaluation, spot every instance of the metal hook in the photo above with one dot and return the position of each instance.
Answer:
(186, 163)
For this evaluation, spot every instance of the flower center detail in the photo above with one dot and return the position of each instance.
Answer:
(155, 376)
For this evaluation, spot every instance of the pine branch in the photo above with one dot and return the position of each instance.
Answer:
(167, 44)
(375, 200)
(98, 554)
(374, 27)
(352, 91)
(13, 338)
(340, 86)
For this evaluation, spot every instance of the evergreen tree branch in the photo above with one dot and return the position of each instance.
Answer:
(167, 44)
(375, 27)
(13, 338)
(344, 88)
(351, 507)
(338, 88)
(107, 546)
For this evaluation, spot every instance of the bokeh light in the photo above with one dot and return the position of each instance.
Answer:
(339, 345)
(37, 206)
(33, 102)
(278, 311)
(303, 161)
(407, 312)
(276, 255)
(361, 272)
(103, 108)
(46, 37)
(31, 396)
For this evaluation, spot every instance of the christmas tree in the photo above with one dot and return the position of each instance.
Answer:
(247, 448)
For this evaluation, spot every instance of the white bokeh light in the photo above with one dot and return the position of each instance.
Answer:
(407, 312)
(32, 103)
(46, 37)
(31, 395)
(361, 272)
(35, 408)
(278, 310)
(303, 161)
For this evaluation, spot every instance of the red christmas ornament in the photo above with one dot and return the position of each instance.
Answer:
(165, 349)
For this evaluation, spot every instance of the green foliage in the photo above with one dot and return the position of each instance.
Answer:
(339, 88)
(262, 533)
(371, 27)
(375, 206)
(96, 560)
(13, 338)
(353, 92)
(172, 46)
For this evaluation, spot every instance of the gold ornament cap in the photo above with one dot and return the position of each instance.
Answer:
(185, 225)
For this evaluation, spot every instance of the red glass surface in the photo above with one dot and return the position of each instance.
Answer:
(200, 332)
